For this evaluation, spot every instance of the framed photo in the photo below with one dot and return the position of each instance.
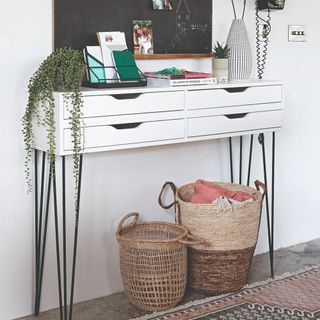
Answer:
(142, 37)
(162, 4)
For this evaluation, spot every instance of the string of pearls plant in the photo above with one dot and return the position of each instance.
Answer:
(62, 70)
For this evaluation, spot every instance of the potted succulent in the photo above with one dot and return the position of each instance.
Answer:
(63, 70)
(220, 62)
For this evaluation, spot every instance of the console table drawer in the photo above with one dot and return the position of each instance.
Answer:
(131, 103)
(234, 123)
(202, 99)
(128, 133)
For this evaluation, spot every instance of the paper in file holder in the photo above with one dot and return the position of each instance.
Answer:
(120, 71)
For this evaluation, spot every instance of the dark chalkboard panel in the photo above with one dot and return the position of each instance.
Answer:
(185, 29)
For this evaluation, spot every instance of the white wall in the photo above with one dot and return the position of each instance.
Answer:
(119, 182)
(25, 37)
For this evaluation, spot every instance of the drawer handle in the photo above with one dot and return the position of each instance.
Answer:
(126, 96)
(122, 126)
(235, 115)
(235, 90)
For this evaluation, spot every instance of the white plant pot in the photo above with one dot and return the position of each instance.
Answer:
(220, 69)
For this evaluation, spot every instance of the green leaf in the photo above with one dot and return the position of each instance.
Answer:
(221, 51)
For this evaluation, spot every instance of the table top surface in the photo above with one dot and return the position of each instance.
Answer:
(152, 88)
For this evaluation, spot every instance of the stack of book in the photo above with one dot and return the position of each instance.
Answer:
(179, 78)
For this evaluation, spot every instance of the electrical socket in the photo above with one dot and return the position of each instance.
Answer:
(297, 33)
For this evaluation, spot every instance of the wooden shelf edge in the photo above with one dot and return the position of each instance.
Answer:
(173, 56)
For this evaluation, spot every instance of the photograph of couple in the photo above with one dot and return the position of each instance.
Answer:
(142, 37)
(162, 4)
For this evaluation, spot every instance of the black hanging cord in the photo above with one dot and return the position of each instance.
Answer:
(244, 8)
(262, 46)
(235, 11)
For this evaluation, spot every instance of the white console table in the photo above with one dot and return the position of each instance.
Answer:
(127, 118)
(142, 117)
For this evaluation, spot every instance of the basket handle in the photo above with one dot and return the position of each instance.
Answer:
(193, 240)
(261, 186)
(123, 220)
(174, 190)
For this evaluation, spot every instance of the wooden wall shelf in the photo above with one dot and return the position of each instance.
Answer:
(173, 56)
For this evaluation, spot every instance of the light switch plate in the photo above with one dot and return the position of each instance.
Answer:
(297, 33)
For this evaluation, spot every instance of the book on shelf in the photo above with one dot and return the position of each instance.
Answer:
(179, 82)
(126, 66)
(179, 78)
(95, 70)
(109, 42)
(182, 74)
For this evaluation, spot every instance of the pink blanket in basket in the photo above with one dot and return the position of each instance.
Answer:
(205, 192)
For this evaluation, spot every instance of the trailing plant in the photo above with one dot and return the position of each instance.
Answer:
(221, 51)
(63, 70)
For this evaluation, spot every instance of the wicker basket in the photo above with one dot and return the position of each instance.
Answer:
(222, 261)
(153, 262)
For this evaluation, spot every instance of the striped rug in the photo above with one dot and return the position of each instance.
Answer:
(289, 297)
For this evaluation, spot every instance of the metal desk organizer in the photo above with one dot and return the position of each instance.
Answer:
(126, 118)
(104, 83)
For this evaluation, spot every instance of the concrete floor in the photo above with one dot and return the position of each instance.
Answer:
(116, 306)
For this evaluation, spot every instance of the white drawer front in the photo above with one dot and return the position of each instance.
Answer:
(123, 134)
(234, 123)
(201, 99)
(107, 105)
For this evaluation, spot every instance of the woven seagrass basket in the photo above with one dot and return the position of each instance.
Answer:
(153, 262)
(221, 262)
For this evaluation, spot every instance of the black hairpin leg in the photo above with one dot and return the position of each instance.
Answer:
(269, 221)
(36, 220)
(240, 160)
(250, 160)
(63, 298)
(42, 242)
(56, 222)
(272, 193)
(41, 235)
(231, 159)
(75, 243)
(64, 240)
